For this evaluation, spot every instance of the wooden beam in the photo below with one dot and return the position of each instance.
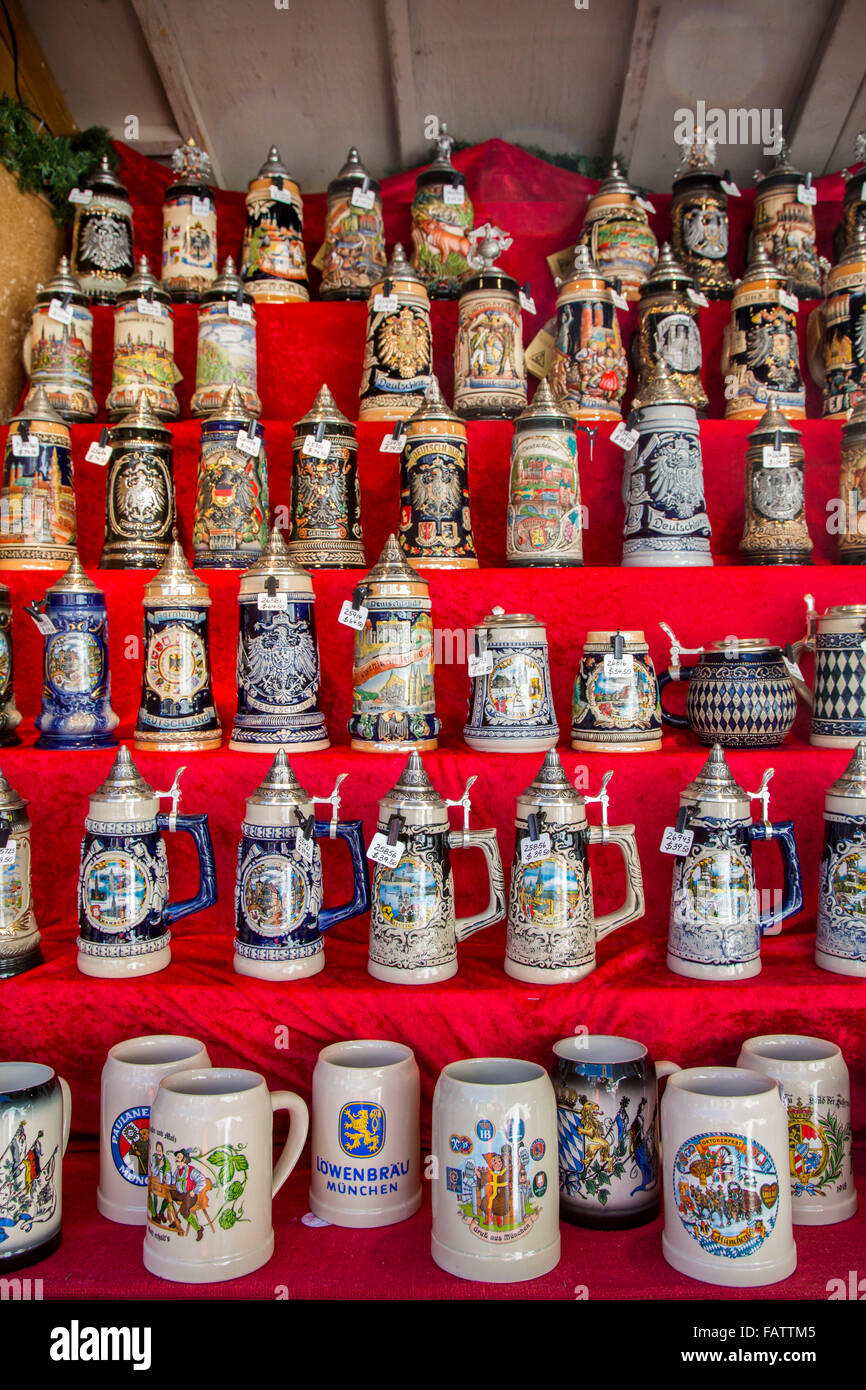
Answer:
(409, 132)
(161, 38)
(634, 85)
(36, 81)
(833, 84)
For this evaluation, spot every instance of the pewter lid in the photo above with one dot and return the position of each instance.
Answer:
(62, 282)
(783, 165)
(274, 560)
(662, 388)
(490, 244)
(444, 146)
(142, 282)
(856, 248)
(714, 782)
(273, 167)
(398, 268)
(175, 579)
(666, 271)
(392, 565)
(585, 269)
(37, 406)
(760, 267)
(104, 177)
(413, 787)
(499, 618)
(744, 644)
(280, 787)
(551, 785)
(433, 407)
(73, 580)
(616, 182)
(10, 799)
(852, 782)
(191, 162)
(227, 284)
(353, 169)
(142, 416)
(124, 782)
(698, 157)
(231, 407)
(773, 419)
(543, 406)
(324, 408)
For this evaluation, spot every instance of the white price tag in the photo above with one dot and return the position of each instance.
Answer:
(793, 667)
(624, 437)
(273, 603)
(200, 206)
(789, 301)
(390, 445)
(697, 297)
(776, 458)
(316, 448)
(619, 299)
(362, 198)
(249, 443)
(453, 194)
(25, 448)
(531, 851)
(382, 853)
(645, 204)
(60, 311)
(280, 195)
(731, 188)
(99, 453)
(149, 306)
(7, 856)
(352, 617)
(305, 847)
(242, 313)
(82, 196)
(527, 302)
(618, 669)
(480, 665)
(44, 623)
(676, 841)
(385, 304)
(807, 194)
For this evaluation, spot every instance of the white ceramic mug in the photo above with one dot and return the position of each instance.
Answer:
(814, 1078)
(212, 1175)
(35, 1114)
(132, 1072)
(496, 1188)
(366, 1134)
(725, 1165)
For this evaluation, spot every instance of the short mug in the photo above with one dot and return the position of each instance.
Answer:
(35, 1113)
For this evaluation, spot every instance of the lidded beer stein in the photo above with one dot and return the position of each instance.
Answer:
(278, 657)
(441, 218)
(139, 491)
(699, 219)
(854, 202)
(177, 708)
(435, 516)
(273, 259)
(545, 522)
(617, 234)
(783, 225)
(552, 926)
(189, 226)
(741, 692)
(279, 917)
(840, 939)
(398, 352)
(715, 925)
(19, 934)
(589, 370)
(413, 929)
(226, 352)
(393, 700)
(124, 916)
(775, 532)
(76, 681)
(10, 716)
(58, 348)
(230, 527)
(489, 372)
(143, 347)
(510, 699)
(102, 235)
(615, 705)
(852, 489)
(353, 254)
(838, 639)
(666, 521)
(325, 518)
(836, 336)
(37, 510)
(668, 327)
(760, 356)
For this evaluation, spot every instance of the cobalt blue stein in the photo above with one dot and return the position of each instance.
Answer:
(741, 693)
(76, 683)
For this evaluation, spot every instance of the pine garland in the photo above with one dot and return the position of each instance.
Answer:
(49, 164)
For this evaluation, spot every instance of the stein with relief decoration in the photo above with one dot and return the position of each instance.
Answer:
(783, 224)
(852, 489)
(441, 218)
(325, 517)
(143, 360)
(838, 704)
(273, 259)
(699, 219)
(37, 509)
(10, 716)
(435, 516)
(775, 532)
(19, 934)
(102, 235)
(840, 938)
(189, 226)
(76, 682)
(617, 234)
(510, 698)
(353, 254)
(669, 327)
(615, 705)
(589, 370)
(139, 491)
(230, 526)
(226, 353)
(58, 347)
(545, 520)
(489, 372)
(836, 332)
(398, 351)
(760, 354)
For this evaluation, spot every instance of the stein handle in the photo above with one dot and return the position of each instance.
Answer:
(206, 896)
(486, 841)
(623, 837)
(666, 1069)
(678, 673)
(299, 1123)
(66, 1095)
(802, 689)
(782, 832)
(352, 832)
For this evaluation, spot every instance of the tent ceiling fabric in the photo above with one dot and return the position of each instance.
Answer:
(320, 75)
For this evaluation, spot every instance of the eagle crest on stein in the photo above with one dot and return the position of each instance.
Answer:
(280, 661)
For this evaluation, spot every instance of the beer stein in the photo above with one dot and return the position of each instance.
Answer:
(489, 372)
(441, 218)
(10, 716)
(545, 521)
(669, 327)
(124, 915)
(19, 934)
(840, 939)
(230, 526)
(279, 918)
(143, 360)
(435, 516)
(226, 350)
(35, 1115)
(699, 220)
(58, 348)
(76, 681)
(102, 235)
(760, 355)
(325, 519)
(413, 928)
(775, 532)
(852, 489)
(139, 491)
(615, 705)
(353, 254)
(393, 699)
(834, 334)
(741, 692)
(37, 511)
(273, 259)
(189, 226)
(617, 234)
(838, 639)
(853, 204)
(398, 351)
(589, 370)
(783, 227)
(716, 925)
(278, 672)
(177, 710)
(552, 926)
(510, 699)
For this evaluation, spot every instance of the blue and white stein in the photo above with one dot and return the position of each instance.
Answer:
(76, 682)
(838, 639)
(840, 941)
(124, 915)
(35, 1113)
(510, 699)
(279, 917)
(741, 692)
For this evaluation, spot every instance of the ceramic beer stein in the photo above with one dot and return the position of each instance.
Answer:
(775, 531)
(496, 1202)
(393, 696)
(398, 352)
(617, 234)
(836, 349)
(139, 491)
(189, 226)
(727, 1200)
(58, 347)
(37, 509)
(441, 218)
(325, 517)
(615, 705)
(212, 1174)
(435, 513)
(177, 710)
(143, 360)
(230, 526)
(852, 489)
(76, 681)
(10, 715)
(783, 226)
(511, 702)
(273, 259)
(838, 640)
(19, 934)
(545, 519)
(353, 254)
(279, 917)
(607, 1105)
(741, 692)
(814, 1078)
(699, 220)
(278, 672)
(102, 235)
(552, 926)
(35, 1114)
(760, 355)
(669, 327)
(840, 939)
(226, 350)
(124, 914)
(413, 928)
(853, 204)
(132, 1072)
(589, 369)
(716, 924)
(365, 1140)
(489, 372)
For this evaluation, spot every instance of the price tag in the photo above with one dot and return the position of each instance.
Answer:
(390, 445)
(776, 458)
(273, 603)
(385, 304)
(7, 856)
(807, 194)
(382, 853)
(453, 195)
(619, 299)
(676, 841)
(200, 206)
(242, 313)
(280, 195)
(624, 437)
(731, 188)
(480, 665)
(793, 667)
(618, 669)
(789, 301)
(305, 846)
(527, 302)
(99, 453)
(83, 196)
(249, 443)
(25, 448)
(44, 623)
(316, 448)
(645, 204)
(533, 850)
(363, 198)
(149, 306)
(352, 617)
(60, 311)
(697, 298)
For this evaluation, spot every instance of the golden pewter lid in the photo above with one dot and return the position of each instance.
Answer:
(280, 787)
(62, 282)
(550, 786)
(175, 579)
(667, 273)
(273, 167)
(631, 636)
(324, 409)
(715, 782)
(392, 565)
(772, 420)
(662, 388)
(398, 268)
(232, 408)
(142, 416)
(191, 163)
(275, 561)
(143, 284)
(227, 285)
(37, 406)
(412, 788)
(10, 800)
(852, 782)
(74, 581)
(434, 407)
(543, 406)
(124, 782)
